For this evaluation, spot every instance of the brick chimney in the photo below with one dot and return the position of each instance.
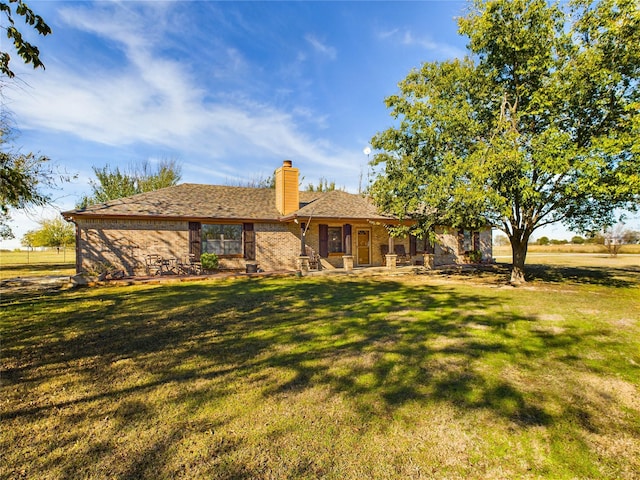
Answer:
(287, 190)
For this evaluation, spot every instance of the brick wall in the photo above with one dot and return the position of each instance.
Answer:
(124, 244)
(277, 245)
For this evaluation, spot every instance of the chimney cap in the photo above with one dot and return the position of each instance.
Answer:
(287, 163)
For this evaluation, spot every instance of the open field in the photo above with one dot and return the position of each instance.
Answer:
(577, 257)
(451, 375)
(555, 249)
(34, 264)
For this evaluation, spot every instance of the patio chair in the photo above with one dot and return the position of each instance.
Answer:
(182, 266)
(195, 267)
(402, 254)
(314, 259)
(153, 264)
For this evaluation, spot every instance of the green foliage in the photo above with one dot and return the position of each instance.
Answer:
(21, 176)
(24, 178)
(111, 184)
(209, 261)
(475, 256)
(536, 126)
(28, 52)
(630, 237)
(259, 181)
(577, 240)
(543, 241)
(595, 239)
(323, 185)
(52, 233)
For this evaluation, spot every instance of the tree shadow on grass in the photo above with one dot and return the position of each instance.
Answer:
(381, 344)
(38, 267)
(618, 277)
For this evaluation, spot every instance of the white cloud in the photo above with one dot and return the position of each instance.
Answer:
(154, 100)
(408, 38)
(321, 47)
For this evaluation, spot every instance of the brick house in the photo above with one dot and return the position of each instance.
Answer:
(264, 226)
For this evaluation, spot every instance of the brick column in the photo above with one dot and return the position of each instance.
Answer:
(303, 264)
(392, 261)
(347, 262)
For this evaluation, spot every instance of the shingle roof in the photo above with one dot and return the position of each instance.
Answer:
(339, 204)
(201, 202)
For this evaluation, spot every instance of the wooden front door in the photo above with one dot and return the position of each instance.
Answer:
(364, 246)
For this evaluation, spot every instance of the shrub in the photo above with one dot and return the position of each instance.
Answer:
(475, 256)
(577, 240)
(209, 261)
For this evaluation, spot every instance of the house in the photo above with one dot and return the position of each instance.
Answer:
(264, 226)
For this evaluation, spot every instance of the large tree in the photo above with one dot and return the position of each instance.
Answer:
(25, 178)
(538, 124)
(53, 232)
(111, 183)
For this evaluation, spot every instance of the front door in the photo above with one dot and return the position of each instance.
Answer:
(364, 246)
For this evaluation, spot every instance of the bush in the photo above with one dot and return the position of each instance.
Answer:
(209, 261)
(577, 240)
(475, 256)
(543, 241)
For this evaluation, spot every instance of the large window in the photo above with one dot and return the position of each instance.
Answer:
(222, 239)
(335, 240)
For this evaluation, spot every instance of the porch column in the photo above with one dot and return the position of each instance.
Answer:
(391, 259)
(303, 264)
(303, 245)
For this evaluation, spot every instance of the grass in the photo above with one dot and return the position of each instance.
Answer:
(444, 376)
(569, 248)
(36, 264)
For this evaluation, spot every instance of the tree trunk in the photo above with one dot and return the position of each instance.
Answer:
(519, 246)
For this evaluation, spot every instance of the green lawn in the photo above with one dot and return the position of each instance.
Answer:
(37, 264)
(445, 376)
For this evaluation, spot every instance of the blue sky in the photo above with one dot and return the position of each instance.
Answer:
(228, 89)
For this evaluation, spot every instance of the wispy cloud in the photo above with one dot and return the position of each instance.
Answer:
(407, 37)
(152, 98)
(321, 47)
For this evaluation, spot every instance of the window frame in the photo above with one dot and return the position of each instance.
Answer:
(468, 238)
(421, 246)
(335, 243)
(239, 253)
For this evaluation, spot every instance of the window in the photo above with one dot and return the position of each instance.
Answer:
(468, 241)
(467, 238)
(423, 245)
(222, 239)
(335, 239)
